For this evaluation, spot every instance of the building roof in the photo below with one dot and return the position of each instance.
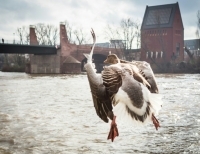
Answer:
(193, 44)
(70, 59)
(159, 16)
(104, 45)
(132, 50)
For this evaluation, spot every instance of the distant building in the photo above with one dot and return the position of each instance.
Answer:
(132, 54)
(119, 44)
(194, 46)
(103, 45)
(162, 34)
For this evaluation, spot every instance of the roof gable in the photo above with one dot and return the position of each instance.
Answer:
(159, 16)
(70, 59)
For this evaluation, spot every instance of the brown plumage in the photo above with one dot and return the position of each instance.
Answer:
(121, 85)
(146, 71)
(141, 71)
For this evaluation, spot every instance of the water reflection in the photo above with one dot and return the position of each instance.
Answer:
(55, 114)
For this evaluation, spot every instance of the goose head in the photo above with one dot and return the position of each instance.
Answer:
(112, 59)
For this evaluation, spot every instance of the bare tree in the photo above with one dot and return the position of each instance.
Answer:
(40, 32)
(81, 38)
(51, 34)
(123, 36)
(17, 59)
(23, 35)
(69, 32)
(138, 34)
(190, 54)
(76, 36)
(24, 38)
(111, 32)
(46, 34)
(198, 25)
(127, 32)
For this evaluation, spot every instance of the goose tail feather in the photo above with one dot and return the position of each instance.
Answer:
(156, 102)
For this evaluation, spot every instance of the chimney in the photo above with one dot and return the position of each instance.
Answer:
(33, 37)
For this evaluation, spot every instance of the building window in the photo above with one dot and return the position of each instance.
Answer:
(151, 54)
(161, 54)
(177, 49)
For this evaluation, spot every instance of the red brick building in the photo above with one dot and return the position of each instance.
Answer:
(162, 35)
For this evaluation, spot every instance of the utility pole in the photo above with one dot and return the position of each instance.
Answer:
(14, 38)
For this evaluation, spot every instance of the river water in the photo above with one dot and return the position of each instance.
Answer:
(44, 114)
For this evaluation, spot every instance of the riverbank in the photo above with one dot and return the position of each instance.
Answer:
(13, 68)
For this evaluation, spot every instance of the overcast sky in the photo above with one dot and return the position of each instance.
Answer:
(86, 14)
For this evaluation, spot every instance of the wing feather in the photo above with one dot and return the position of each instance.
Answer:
(146, 72)
(101, 100)
(112, 80)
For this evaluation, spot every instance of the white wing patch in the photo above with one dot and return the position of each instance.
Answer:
(124, 117)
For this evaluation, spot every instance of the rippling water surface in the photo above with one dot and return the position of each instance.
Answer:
(55, 114)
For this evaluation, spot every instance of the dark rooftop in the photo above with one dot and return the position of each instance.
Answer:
(192, 44)
(70, 59)
(159, 16)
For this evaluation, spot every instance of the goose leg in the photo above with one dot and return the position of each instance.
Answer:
(155, 122)
(113, 130)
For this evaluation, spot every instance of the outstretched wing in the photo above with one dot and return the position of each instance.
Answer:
(112, 79)
(101, 99)
(146, 71)
(134, 71)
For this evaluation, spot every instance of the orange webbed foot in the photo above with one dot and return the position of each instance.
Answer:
(113, 130)
(155, 122)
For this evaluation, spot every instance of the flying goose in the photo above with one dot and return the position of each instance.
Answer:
(115, 92)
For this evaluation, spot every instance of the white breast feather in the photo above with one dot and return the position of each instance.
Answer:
(123, 100)
(122, 97)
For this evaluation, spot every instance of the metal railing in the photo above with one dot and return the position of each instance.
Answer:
(13, 42)
(20, 42)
